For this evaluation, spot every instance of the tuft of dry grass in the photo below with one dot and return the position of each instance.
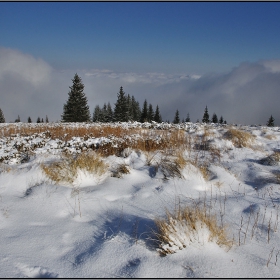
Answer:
(66, 170)
(205, 172)
(239, 138)
(189, 225)
(120, 170)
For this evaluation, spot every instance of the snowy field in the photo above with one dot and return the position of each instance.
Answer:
(108, 201)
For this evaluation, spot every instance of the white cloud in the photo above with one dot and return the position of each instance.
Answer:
(24, 66)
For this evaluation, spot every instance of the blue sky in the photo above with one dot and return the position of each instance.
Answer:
(113, 44)
(171, 37)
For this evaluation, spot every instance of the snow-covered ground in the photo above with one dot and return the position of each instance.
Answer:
(103, 226)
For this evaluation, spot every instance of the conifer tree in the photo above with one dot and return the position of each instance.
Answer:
(214, 118)
(110, 113)
(47, 119)
(42, 120)
(121, 108)
(2, 118)
(144, 114)
(76, 108)
(29, 120)
(205, 118)
(150, 115)
(38, 120)
(136, 111)
(129, 108)
(188, 118)
(96, 114)
(18, 119)
(157, 117)
(221, 121)
(176, 118)
(270, 121)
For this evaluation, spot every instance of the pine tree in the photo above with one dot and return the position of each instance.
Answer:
(18, 119)
(76, 108)
(42, 120)
(47, 120)
(129, 108)
(144, 114)
(176, 118)
(96, 114)
(150, 116)
(110, 113)
(157, 117)
(38, 120)
(205, 118)
(2, 118)
(270, 122)
(188, 118)
(29, 120)
(214, 118)
(136, 111)
(104, 113)
(221, 121)
(121, 108)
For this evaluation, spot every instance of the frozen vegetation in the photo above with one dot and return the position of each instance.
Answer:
(132, 200)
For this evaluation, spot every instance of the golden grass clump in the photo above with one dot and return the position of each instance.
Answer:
(239, 138)
(67, 169)
(187, 226)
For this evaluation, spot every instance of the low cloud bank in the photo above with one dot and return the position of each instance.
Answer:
(247, 94)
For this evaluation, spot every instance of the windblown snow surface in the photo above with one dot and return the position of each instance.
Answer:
(103, 227)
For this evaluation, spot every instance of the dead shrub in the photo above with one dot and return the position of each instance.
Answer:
(170, 167)
(273, 159)
(189, 225)
(119, 170)
(67, 169)
(239, 138)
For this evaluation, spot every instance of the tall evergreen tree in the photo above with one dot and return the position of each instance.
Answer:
(42, 120)
(221, 121)
(150, 116)
(136, 111)
(214, 118)
(188, 118)
(121, 108)
(47, 119)
(29, 120)
(38, 120)
(103, 113)
(270, 121)
(18, 119)
(129, 108)
(110, 113)
(205, 118)
(96, 114)
(76, 108)
(144, 113)
(2, 118)
(157, 117)
(176, 118)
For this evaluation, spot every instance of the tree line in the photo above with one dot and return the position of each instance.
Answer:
(126, 109)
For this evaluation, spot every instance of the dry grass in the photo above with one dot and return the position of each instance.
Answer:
(189, 225)
(67, 169)
(119, 170)
(239, 138)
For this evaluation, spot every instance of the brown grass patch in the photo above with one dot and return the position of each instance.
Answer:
(66, 170)
(189, 225)
(239, 138)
